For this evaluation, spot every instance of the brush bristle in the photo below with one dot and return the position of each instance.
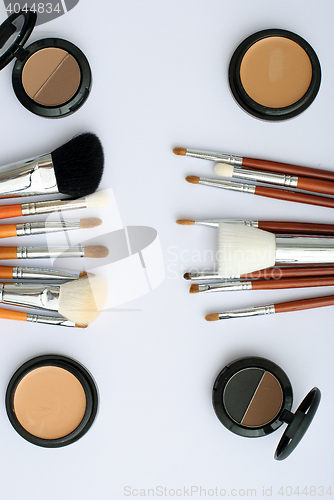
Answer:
(193, 179)
(84, 274)
(90, 222)
(97, 200)
(244, 249)
(193, 288)
(185, 222)
(180, 151)
(82, 300)
(187, 276)
(212, 317)
(96, 251)
(78, 165)
(224, 169)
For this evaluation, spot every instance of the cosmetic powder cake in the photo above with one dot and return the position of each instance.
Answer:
(274, 74)
(51, 401)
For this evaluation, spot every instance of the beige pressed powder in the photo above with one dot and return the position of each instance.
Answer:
(49, 402)
(276, 72)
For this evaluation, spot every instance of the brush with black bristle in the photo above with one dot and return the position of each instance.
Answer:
(74, 169)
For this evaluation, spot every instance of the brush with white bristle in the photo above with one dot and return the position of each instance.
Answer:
(79, 301)
(99, 199)
(244, 249)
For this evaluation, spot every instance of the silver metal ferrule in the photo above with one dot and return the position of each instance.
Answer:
(304, 249)
(211, 155)
(28, 178)
(268, 177)
(37, 273)
(250, 311)
(31, 228)
(46, 207)
(231, 186)
(226, 286)
(50, 320)
(49, 252)
(216, 222)
(31, 295)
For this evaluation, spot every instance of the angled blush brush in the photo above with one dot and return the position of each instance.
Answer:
(30, 228)
(272, 166)
(273, 226)
(96, 200)
(293, 305)
(37, 318)
(74, 169)
(268, 192)
(91, 251)
(266, 284)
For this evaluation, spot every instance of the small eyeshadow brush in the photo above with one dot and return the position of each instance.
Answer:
(268, 192)
(272, 166)
(31, 228)
(293, 305)
(96, 200)
(36, 273)
(74, 169)
(37, 318)
(275, 273)
(91, 251)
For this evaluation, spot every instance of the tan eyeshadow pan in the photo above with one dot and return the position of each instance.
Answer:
(51, 76)
(49, 402)
(276, 72)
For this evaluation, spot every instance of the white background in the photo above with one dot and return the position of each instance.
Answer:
(160, 81)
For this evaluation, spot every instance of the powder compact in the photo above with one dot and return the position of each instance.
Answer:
(51, 401)
(274, 74)
(51, 77)
(252, 397)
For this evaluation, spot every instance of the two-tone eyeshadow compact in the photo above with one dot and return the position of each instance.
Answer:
(51, 401)
(51, 77)
(274, 74)
(252, 397)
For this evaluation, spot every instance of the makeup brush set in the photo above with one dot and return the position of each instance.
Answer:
(74, 169)
(267, 255)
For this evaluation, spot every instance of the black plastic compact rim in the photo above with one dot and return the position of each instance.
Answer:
(228, 372)
(79, 97)
(87, 382)
(256, 109)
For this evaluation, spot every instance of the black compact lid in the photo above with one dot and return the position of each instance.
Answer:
(235, 388)
(14, 33)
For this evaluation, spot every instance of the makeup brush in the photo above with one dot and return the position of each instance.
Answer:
(268, 284)
(90, 251)
(37, 318)
(279, 194)
(273, 226)
(79, 301)
(32, 273)
(29, 228)
(74, 169)
(96, 200)
(275, 273)
(272, 166)
(293, 305)
(244, 249)
(304, 183)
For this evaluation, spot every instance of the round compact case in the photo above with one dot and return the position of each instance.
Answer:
(51, 77)
(274, 74)
(252, 397)
(51, 401)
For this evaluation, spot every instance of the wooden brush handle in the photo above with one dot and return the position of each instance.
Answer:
(299, 305)
(284, 194)
(9, 314)
(6, 272)
(286, 168)
(296, 227)
(290, 272)
(273, 284)
(7, 230)
(8, 211)
(8, 253)
(315, 185)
